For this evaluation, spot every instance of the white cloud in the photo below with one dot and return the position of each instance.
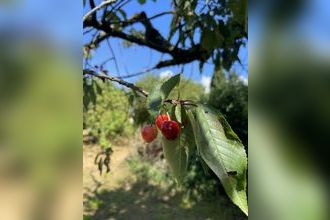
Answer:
(166, 74)
(244, 80)
(206, 82)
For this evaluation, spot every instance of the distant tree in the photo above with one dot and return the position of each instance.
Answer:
(200, 31)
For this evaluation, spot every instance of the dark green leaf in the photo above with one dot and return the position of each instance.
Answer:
(194, 128)
(98, 88)
(92, 93)
(173, 27)
(187, 131)
(131, 99)
(223, 153)
(169, 84)
(172, 112)
(160, 93)
(176, 157)
(211, 39)
(142, 1)
(89, 95)
(178, 113)
(86, 101)
(154, 100)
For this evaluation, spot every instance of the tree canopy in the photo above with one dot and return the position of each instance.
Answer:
(200, 30)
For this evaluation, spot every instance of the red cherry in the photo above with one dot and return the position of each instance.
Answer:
(149, 133)
(170, 129)
(161, 119)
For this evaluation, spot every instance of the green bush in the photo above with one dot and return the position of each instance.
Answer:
(108, 117)
(196, 186)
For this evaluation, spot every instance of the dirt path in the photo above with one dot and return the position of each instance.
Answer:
(119, 169)
(119, 195)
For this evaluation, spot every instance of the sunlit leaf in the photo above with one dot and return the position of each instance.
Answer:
(169, 85)
(155, 99)
(160, 92)
(187, 131)
(178, 113)
(223, 152)
(176, 157)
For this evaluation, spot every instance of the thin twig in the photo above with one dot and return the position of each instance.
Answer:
(115, 79)
(137, 74)
(114, 56)
(132, 21)
(94, 10)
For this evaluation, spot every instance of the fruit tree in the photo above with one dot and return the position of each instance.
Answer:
(201, 31)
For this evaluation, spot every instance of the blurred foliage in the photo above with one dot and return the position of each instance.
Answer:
(107, 114)
(195, 186)
(229, 95)
(40, 128)
(188, 88)
(195, 190)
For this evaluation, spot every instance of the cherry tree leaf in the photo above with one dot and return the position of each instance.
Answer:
(176, 157)
(223, 152)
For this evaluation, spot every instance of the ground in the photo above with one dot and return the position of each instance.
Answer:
(120, 195)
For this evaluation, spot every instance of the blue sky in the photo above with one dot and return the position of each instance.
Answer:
(137, 58)
(61, 21)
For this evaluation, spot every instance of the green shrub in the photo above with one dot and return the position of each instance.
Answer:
(108, 117)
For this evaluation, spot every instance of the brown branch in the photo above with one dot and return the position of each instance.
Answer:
(95, 9)
(151, 38)
(136, 88)
(115, 79)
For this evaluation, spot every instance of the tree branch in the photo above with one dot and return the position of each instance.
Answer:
(151, 38)
(115, 79)
(95, 9)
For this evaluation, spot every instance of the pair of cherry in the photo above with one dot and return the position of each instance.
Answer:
(169, 128)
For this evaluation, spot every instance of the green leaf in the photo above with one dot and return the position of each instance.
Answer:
(142, 1)
(223, 152)
(92, 93)
(160, 92)
(193, 124)
(178, 110)
(188, 131)
(172, 112)
(211, 39)
(154, 100)
(176, 157)
(173, 27)
(97, 88)
(169, 85)
(89, 91)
